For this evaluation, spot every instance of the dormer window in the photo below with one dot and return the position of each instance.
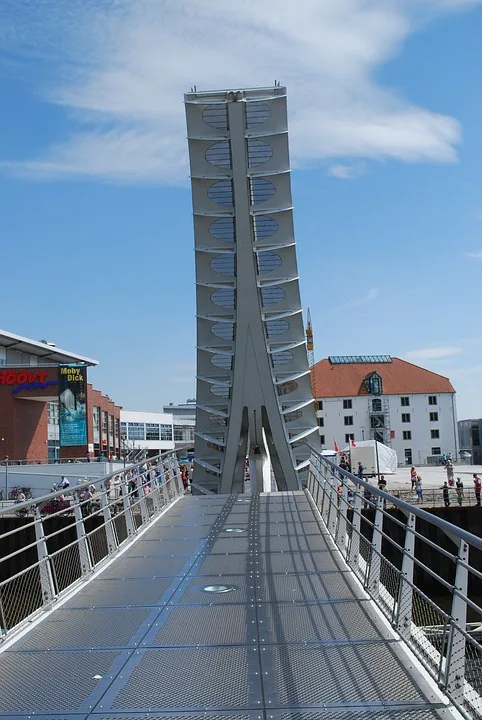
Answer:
(373, 384)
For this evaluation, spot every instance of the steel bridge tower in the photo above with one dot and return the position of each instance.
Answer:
(254, 394)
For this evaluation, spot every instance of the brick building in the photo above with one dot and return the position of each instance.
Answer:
(29, 404)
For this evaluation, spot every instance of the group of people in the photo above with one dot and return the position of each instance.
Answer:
(416, 482)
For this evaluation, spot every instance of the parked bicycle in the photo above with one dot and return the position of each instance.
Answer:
(25, 512)
(16, 491)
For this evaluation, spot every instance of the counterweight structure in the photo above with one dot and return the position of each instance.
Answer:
(254, 397)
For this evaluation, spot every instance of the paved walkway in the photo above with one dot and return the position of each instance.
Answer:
(234, 608)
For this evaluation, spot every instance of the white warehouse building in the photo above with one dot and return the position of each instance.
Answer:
(404, 406)
(155, 432)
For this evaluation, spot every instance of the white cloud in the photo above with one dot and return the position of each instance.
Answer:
(121, 67)
(433, 353)
(475, 255)
(346, 172)
(371, 295)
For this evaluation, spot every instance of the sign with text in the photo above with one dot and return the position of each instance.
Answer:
(73, 405)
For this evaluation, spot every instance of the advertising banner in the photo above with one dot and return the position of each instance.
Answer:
(73, 404)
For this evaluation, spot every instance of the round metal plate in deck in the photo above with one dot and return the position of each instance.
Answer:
(217, 588)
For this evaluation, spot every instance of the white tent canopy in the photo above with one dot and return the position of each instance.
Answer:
(366, 451)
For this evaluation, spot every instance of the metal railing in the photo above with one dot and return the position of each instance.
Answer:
(66, 535)
(424, 574)
(433, 497)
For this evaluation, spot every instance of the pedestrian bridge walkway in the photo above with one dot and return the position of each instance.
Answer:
(230, 607)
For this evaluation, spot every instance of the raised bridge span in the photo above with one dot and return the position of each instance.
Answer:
(274, 606)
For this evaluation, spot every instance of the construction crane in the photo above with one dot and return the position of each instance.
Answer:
(311, 352)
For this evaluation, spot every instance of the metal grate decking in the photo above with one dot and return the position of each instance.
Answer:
(294, 638)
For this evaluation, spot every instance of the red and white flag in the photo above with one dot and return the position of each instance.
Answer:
(352, 443)
(335, 446)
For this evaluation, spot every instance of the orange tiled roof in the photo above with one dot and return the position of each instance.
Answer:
(398, 377)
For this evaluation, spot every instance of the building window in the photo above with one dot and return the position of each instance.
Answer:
(376, 405)
(432, 400)
(53, 413)
(435, 434)
(183, 433)
(104, 423)
(348, 419)
(123, 426)
(405, 417)
(436, 451)
(434, 417)
(321, 422)
(348, 437)
(152, 431)
(117, 429)
(111, 429)
(166, 432)
(373, 384)
(475, 435)
(405, 401)
(320, 404)
(407, 434)
(96, 417)
(408, 456)
(347, 405)
(136, 431)
(322, 439)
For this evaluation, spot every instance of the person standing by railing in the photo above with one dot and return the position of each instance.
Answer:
(413, 477)
(419, 489)
(446, 494)
(459, 489)
(477, 488)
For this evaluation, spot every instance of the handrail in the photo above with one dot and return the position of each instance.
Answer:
(400, 569)
(44, 557)
(446, 527)
(90, 481)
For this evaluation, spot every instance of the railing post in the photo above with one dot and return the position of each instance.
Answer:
(84, 552)
(126, 501)
(45, 571)
(354, 549)
(403, 620)
(375, 560)
(175, 474)
(341, 534)
(143, 501)
(109, 526)
(455, 665)
(330, 515)
(154, 495)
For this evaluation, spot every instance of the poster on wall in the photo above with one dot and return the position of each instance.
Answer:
(73, 404)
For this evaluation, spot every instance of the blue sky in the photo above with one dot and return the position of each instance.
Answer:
(95, 212)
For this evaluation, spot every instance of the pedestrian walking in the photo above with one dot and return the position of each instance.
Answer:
(419, 489)
(446, 494)
(477, 488)
(413, 477)
(360, 471)
(459, 489)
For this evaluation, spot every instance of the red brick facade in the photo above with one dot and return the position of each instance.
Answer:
(24, 417)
